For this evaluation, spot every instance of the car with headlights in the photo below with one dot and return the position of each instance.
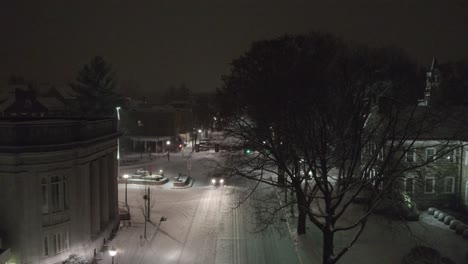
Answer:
(217, 180)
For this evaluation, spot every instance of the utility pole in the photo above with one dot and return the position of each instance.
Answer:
(149, 205)
(147, 208)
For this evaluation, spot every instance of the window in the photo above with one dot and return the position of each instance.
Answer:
(410, 155)
(430, 153)
(466, 192)
(46, 246)
(451, 157)
(449, 185)
(53, 195)
(57, 243)
(429, 185)
(44, 196)
(409, 185)
(370, 148)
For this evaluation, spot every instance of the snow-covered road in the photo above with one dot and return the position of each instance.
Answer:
(203, 224)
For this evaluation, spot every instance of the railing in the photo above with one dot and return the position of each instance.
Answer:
(52, 131)
(55, 218)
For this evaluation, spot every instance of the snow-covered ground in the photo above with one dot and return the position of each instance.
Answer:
(203, 226)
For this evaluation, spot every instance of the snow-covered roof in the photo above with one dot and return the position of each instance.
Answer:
(66, 92)
(5, 104)
(51, 103)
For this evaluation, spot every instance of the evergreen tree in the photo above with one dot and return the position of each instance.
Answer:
(95, 85)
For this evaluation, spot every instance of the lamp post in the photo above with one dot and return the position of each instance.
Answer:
(168, 143)
(117, 110)
(112, 253)
(126, 182)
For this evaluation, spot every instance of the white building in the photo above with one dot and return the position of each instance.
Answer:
(58, 187)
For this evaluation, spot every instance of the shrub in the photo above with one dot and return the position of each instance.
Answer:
(448, 219)
(431, 210)
(454, 223)
(425, 255)
(421, 255)
(460, 228)
(441, 217)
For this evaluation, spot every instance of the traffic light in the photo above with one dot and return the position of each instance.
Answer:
(247, 151)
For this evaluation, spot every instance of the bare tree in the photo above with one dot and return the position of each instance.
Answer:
(324, 120)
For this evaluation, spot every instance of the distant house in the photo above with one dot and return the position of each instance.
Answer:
(437, 154)
(151, 127)
(21, 100)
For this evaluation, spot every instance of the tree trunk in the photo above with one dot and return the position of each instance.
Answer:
(328, 247)
(301, 221)
(281, 179)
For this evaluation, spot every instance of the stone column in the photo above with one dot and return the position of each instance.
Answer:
(83, 200)
(113, 188)
(104, 195)
(95, 195)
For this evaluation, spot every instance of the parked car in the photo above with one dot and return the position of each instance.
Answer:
(142, 173)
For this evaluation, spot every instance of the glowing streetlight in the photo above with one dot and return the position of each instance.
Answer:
(112, 253)
(168, 142)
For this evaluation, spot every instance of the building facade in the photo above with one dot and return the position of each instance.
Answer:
(58, 187)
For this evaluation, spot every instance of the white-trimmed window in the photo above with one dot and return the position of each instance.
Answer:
(451, 157)
(409, 185)
(449, 184)
(430, 153)
(55, 243)
(410, 155)
(429, 184)
(466, 193)
(53, 194)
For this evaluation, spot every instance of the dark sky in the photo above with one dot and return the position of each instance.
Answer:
(159, 43)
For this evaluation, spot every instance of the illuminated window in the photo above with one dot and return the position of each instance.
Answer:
(449, 185)
(430, 153)
(429, 185)
(451, 157)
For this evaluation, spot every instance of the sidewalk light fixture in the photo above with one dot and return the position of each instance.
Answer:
(112, 253)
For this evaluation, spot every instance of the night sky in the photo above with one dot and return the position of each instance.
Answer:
(159, 43)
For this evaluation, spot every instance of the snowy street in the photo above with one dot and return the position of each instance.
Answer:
(203, 225)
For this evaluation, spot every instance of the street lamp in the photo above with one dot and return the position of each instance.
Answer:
(126, 182)
(112, 253)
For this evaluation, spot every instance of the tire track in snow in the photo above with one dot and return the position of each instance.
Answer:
(190, 229)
